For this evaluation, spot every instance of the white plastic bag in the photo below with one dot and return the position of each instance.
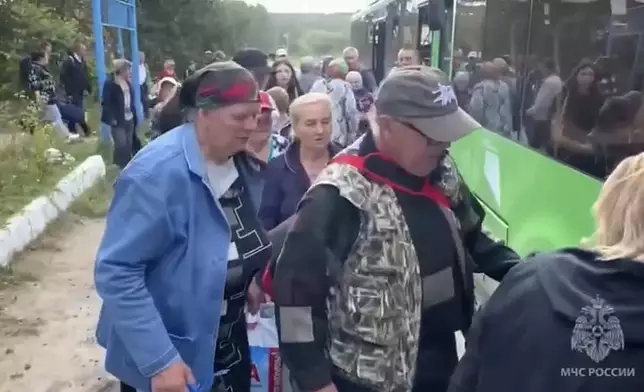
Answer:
(266, 370)
(262, 331)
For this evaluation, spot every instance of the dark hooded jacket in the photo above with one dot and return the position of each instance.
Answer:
(559, 322)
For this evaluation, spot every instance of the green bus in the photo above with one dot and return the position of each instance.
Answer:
(534, 202)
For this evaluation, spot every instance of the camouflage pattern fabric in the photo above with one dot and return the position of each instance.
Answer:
(453, 187)
(375, 309)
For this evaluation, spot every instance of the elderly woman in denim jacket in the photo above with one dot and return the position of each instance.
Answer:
(182, 244)
(289, 175)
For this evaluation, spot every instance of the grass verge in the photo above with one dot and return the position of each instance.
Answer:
(95, 202)
(26, 173)
(26, 167)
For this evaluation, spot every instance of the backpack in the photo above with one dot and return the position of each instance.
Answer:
(343, 110)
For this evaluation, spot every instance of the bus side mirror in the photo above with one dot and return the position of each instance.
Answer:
(436, 15)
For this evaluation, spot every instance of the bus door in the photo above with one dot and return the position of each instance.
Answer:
(436, 19)
(424, 35)
(378, 41)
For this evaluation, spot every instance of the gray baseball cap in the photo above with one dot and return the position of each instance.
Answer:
(423, 98)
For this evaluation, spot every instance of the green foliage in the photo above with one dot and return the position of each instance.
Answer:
(184, 30)
(178, 29)
(25, 170)
(96, 201)
(312, 34)
(24, 25)
(322, 42)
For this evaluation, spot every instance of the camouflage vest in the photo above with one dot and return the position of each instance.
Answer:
(374, 311)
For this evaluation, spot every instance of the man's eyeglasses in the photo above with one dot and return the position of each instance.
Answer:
(430, 141)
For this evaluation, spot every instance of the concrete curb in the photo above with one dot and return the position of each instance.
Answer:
(28, 224)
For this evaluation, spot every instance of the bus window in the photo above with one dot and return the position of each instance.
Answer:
(425, 35)
(490, 41)
(446, 47)
(584, 57)
(468, 26)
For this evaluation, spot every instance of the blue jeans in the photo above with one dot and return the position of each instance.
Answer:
(73, 115)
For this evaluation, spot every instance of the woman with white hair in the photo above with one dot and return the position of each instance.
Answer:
(289, 175)
(575, 317)
(119, 112)
(364, 99)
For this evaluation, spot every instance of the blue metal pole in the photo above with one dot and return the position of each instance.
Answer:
(119, 43)
(134, 46)
(99, 50)
(99, 55)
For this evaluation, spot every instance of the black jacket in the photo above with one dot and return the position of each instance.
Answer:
(74, 77)
(533, 336)
(323, 232)
(113, 104)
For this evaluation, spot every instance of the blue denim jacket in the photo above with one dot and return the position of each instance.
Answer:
(161, 266)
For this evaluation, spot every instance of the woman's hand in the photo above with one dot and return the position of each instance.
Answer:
(175, 378)
(254, 297)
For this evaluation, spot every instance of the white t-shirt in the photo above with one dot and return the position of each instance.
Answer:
(143, 74)
(221, 176)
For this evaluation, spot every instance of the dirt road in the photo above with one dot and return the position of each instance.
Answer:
(48, 311)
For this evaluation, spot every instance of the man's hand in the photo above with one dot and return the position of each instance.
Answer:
(329, 388)
(176, 378)
(255, 297)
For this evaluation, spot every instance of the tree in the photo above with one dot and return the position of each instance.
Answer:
(23, 26)
(177, 29)
(320, 42)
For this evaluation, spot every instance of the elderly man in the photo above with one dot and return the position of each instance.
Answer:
(376, 273)
(308, 75)
(182, 242)
(408, 56)
(352, 58)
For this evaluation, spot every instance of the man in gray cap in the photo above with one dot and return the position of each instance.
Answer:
(376, 273)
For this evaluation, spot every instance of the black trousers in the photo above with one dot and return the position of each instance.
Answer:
(539, 134)
(126, 388)
(232, 354)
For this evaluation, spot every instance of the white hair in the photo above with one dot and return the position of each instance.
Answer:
(350, 51)
(168, 63)
(308, 99)
(353, 76)
(121, 65)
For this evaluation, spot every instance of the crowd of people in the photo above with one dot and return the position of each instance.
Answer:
(586, 120)
(337, 199)
(63, 109)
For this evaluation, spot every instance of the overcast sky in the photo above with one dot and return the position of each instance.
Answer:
(314, 6)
